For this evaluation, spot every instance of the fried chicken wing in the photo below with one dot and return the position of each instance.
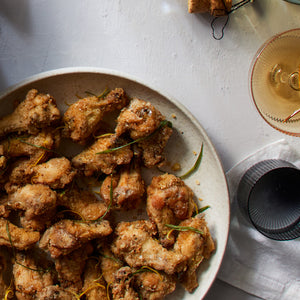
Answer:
(66, 236)
(70, 267)
(134, 244)
(154, 286)
(139, 119)
(55, 292)
(56, 173)
(94, 284)
(44, 142)
(169, 200)
(37, 201)
(37, 111)
(128, 188)
(83, 117)
(122, 287)
(29, 278)
(90, 161)
(154, 146)
(109, 264)
(20, 238)
(83, 202)
(195, 247)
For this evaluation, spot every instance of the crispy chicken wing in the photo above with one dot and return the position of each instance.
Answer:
(195, 247)
(21, 238)
(154, 146)
(169, 200)
(70, 267)
(44, 142)
(66, 236)
(83, 117)
(56, 173)
(122, 287)
(128, 188)
(54, 292)
(90, 161)
(134, 244)
(139, 119)
(37, 201)
(109, 264)
(94, 284)
(29, 277)
(154, 286)
(37, 111)
(83, 202)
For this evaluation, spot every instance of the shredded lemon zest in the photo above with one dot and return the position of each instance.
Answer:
(107, 290)
(103, 135)
(169, 233)
(145, 268)
(74, 212)
(38, 160)
(33, 177)
(9, 291)
(196, 206)
(90, 288)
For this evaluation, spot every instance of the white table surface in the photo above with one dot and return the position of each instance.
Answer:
(159, 42)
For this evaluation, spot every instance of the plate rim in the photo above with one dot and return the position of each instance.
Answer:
(105, 71)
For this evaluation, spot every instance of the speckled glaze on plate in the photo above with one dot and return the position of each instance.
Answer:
(64, 84)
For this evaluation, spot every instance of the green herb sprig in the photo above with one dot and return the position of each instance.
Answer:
(162, 124)
(15, 257)
(184, 228)
(195, 166)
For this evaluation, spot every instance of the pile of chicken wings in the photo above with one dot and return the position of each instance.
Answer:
(59, 239)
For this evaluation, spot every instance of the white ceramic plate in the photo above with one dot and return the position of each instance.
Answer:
(65, 84)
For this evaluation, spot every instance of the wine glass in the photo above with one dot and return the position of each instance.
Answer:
(275, 81)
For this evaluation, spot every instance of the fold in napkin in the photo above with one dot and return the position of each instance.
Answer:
(254, 263)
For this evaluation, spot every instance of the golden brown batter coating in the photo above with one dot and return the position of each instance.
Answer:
(122, 287)
(83, 117)
(4, 207)
(94, 284)
(128, 188)
(37, 111)
(154, 286)
(109, 264)
(89, 161)
(139, 119)
(37, 201)
(154, 146)
(21, 238)
(135, 245)
(70, 268)
(169, 200)
(28, 281)
(195, 247)
(54, 292)
(56, 173)
(32, 145)
(83, 202)
(66, 236)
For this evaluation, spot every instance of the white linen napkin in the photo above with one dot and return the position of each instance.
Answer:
(254, 263)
